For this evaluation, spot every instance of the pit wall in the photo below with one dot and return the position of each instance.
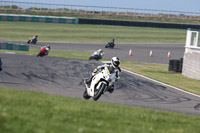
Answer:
(191, 65)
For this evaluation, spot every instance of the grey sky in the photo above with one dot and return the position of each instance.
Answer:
(174, 5)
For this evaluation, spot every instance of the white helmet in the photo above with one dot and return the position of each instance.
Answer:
(115, 62)
(100, 50)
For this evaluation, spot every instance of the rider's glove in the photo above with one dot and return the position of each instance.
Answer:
(95, 70)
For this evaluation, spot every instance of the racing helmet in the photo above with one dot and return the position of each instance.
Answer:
(113, 40)
(100, 50)
(115, 62)
(48, 46)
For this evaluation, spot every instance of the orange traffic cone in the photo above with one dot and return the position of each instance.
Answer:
(168, 55)
(130, 52)
(151, 53)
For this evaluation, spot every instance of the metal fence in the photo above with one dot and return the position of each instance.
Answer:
(97, 10)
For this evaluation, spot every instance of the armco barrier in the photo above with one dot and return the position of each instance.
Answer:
(13, 46)
(35, 18)
(137, 23)
(74, 20)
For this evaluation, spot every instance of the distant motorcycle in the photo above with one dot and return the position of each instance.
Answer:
(96, 56)
(43, 51)
(31, 40)
(110, 45)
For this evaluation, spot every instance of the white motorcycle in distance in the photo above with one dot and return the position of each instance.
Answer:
(99, 84)
(96, 56)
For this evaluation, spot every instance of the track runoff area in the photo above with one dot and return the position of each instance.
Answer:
(46, 74)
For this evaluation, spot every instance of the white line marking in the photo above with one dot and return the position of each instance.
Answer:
(161, 83)
(10, 52)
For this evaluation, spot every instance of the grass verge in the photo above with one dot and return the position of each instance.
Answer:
(35, 112)
(22, 31)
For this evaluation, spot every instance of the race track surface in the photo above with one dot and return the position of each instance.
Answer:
(140, 52)
(65, 77)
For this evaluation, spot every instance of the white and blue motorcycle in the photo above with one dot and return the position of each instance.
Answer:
(99, 84)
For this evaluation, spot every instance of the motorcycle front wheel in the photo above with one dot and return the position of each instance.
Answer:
(85, 95)
(99, 92)
(90, 58)
(28, 42)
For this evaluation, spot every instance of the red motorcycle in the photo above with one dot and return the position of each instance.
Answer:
(44, 51)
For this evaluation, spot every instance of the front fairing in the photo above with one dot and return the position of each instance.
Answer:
(95, 54)
(103, 76)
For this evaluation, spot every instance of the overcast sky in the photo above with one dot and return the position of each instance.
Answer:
(174, 5)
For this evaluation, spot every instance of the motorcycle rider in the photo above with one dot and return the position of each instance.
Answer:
(34, 37)
(112, 41)
(45, 50)
(113, 67)
(100, 52)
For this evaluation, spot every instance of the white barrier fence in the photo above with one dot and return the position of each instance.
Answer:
(6, 5)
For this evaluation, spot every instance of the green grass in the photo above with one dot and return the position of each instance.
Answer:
(160, 72)
(57, 53)
(35, 112)
(21, 31)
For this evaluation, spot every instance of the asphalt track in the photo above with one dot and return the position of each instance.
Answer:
(140, 52)
(65, 77)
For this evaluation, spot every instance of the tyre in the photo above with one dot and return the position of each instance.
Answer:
(40, 54)
(85, 95)
(98, 93)
(28, 41)
(90, 58)
(34, 42)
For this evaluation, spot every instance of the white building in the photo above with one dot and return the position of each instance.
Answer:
(191, 59)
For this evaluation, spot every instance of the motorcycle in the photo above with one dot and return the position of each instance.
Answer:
(96, 56)
(33, 41)
(99, 84)
(43, 53)
(110, 45)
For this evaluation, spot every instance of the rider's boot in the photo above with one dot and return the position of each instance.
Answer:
(89, 80)
(111, 89)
